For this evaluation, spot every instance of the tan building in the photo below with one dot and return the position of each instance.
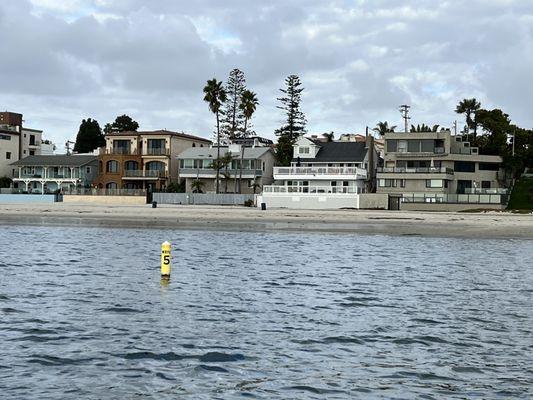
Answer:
(437, 165)
(143, 160)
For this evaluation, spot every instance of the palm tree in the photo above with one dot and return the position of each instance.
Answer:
(383, 127)
(329, 136)
(248, 106)
(215, 96)
(469, 107)
(197, 186)
(225, 161)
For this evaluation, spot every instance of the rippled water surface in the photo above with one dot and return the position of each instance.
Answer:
(83, 315)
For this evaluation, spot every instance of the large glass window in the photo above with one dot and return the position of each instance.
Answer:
(434, 183)
(413, 146)
(386, 182)
(402, 146)
(392, 145)
(464, 166)
(156, 166)
(112, 166)
(131, 165)
(489, 166)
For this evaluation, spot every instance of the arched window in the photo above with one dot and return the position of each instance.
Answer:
(112, 166)
(131, 165)
(111, 185)
(194, 144)
(155, 166)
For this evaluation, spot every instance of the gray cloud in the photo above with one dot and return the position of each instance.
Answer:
(67, 60)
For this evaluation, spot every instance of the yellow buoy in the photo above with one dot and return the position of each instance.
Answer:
(165, 260)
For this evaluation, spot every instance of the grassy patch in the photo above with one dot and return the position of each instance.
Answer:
(522, 195)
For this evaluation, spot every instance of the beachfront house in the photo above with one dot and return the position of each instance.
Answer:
(431, 170)
(143, 160)
(197, 167)
(323, 175)
(50, 173)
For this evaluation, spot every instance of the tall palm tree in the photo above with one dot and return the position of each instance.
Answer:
(215, 96)
(248, 106)
(383, 127)
(469, 107)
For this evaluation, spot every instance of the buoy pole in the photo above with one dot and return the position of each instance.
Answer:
(165, 261)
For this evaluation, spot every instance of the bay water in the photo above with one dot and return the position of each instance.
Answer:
(84, 315)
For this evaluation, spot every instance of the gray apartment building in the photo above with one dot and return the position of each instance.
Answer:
(439, 167)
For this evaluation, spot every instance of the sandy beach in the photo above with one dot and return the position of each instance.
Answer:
(444, 224)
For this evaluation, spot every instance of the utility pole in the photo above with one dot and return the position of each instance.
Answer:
(455, 127)
(404, 110)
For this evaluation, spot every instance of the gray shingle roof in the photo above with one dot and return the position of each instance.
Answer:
(55, 160)
(250, 153)
(338, 151)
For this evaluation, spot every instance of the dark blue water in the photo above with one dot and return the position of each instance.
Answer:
(83, 315)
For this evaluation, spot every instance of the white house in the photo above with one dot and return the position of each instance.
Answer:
(323, 175)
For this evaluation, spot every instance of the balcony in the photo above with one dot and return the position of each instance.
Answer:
(291, 189)
(146, 174)
(156, 151)
(417, 170)
(120, 151)
(329, 173)
(211, 173)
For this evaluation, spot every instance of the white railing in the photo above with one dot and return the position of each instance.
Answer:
(311, 189)
(360, 173)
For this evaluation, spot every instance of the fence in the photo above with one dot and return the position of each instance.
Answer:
(203, 198)
(455, 198)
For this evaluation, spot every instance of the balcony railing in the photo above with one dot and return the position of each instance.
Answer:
(135, 173)
(317, 171)
(417, 170)
(211, 173)
(120, 151)
(156, 151)
(311, 189)
(486, 191)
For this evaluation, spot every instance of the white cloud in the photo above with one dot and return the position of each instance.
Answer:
(73, 59)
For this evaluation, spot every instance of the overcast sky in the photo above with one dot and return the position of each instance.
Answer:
(65, 60)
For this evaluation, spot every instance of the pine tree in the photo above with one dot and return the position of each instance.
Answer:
(233, 116)
(295, 123)
(89, 136)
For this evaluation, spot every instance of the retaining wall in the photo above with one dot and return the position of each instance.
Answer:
(118, 200)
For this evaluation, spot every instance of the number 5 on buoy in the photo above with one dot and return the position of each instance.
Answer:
(165, 260)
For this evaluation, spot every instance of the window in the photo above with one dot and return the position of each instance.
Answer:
(112, 167)
(131, 165)
(8, 155)
(413, 146)
(485, 184)
(392, 145)
(401, 182)
(386, 183)
(464, 166)
(303, 150)
(5, 137)
(489, 166)
(434, 183)
(32, 152)
(111, 185)
(194, 144)
(402, 146)
(32, 140)
(345, 183)
(156, 166)
(87, 170)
